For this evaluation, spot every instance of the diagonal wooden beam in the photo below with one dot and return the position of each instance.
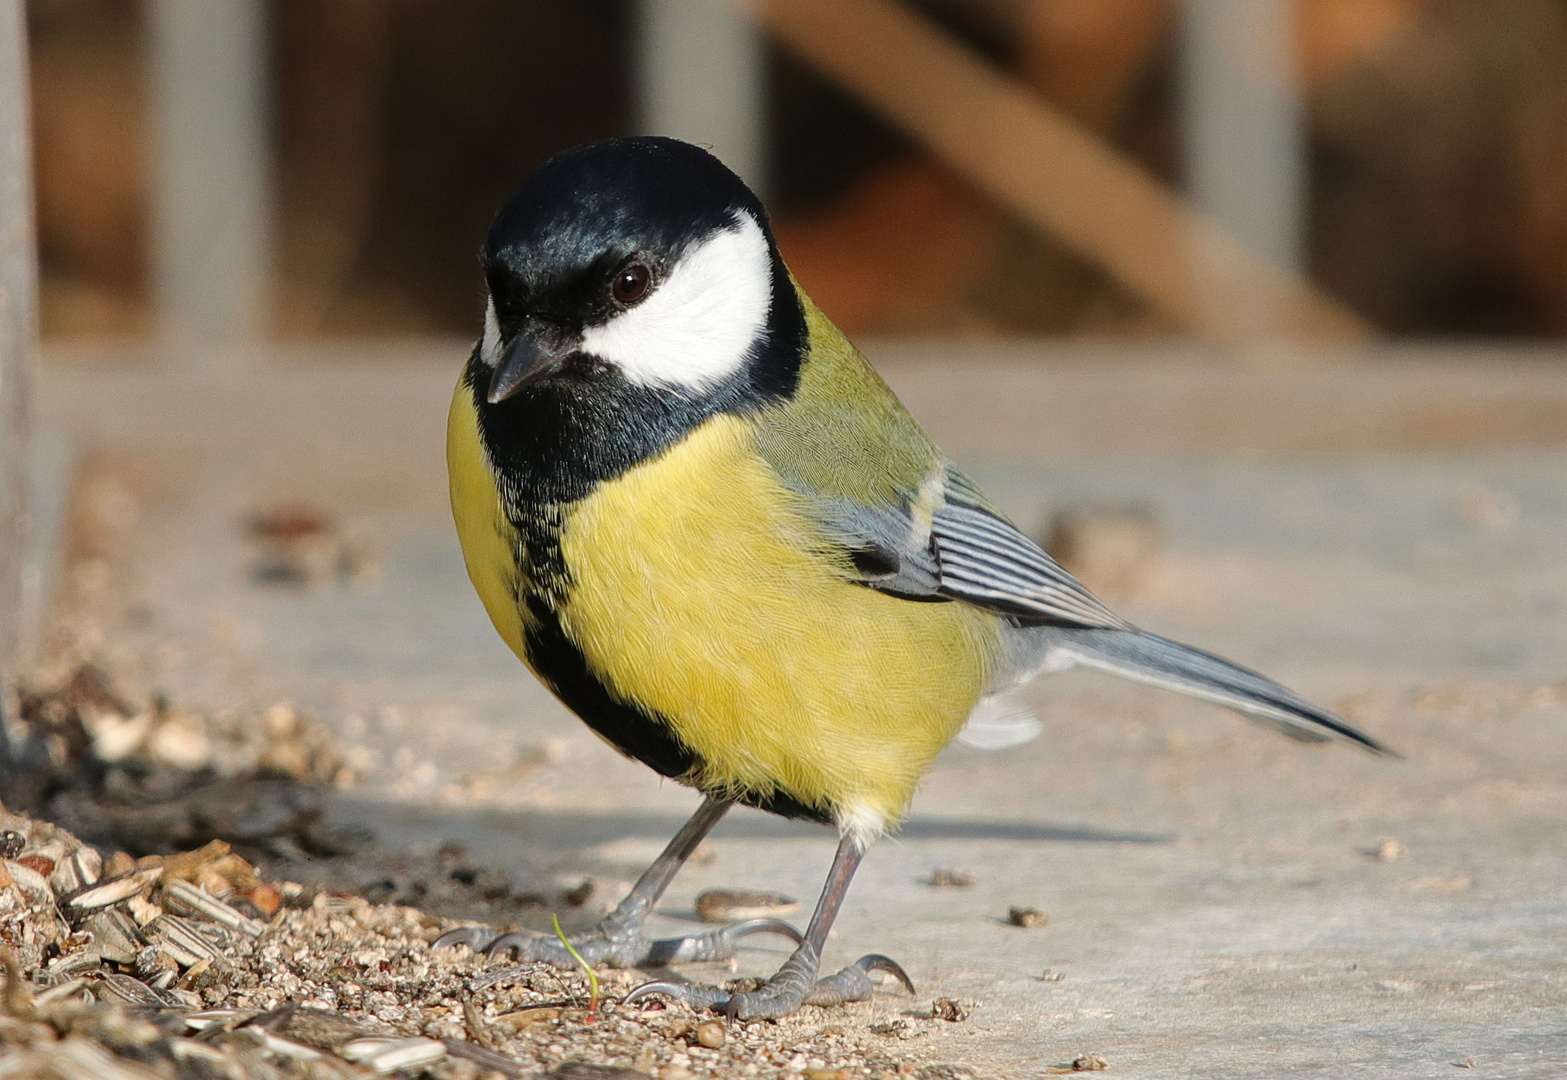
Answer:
(1057, 175)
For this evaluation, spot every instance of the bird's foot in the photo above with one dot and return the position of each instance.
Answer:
(614, 944)
(794, 985)
(853, 983)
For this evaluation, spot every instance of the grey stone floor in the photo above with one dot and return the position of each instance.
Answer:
(1389, 537)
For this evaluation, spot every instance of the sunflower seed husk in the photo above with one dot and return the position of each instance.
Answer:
(115, 987)
(288, 1048)
(80, 960)
(496, 975)
(89, 865)
(153, 961)
(74, 1059)
(30, 881)
(386, 1055)
(191, 1050)
(47, 999)
(320, 1028)
(179, 954)
(487, 1060)
(218, 1018)
(526, 1018)
(738, 905)
(184, 897)
(182, 940)
(116, 889)
(66, 877)
(114, 934)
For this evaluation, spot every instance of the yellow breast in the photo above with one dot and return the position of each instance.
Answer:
(490, 546)
(700, 591)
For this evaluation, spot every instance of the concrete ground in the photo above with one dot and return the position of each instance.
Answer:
(1388, 536)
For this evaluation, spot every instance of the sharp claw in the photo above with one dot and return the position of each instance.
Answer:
(477, 938)
(763, 926)
(516, 943)
(701, 997)
(714, 945)
(648, 989)
(877, 962)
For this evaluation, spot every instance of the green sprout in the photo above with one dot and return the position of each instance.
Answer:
(593, 979)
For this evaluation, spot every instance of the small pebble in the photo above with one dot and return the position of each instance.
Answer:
(1027, 917)
(581, 894)
(949, 1010)
(947, 877)
(1390, 850)
(1082, 1063)
(711, 1034)
(266, 899)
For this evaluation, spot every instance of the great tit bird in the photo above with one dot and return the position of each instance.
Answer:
(692, 508)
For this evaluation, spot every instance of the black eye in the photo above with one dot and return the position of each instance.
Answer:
(631, 284)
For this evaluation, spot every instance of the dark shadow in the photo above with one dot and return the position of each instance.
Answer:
(398, 824)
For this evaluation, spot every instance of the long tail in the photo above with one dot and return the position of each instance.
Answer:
(1158, 661)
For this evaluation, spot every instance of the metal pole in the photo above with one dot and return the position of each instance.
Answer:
(211, 220)
(703, 79)
(18, 331)
(1245, 135)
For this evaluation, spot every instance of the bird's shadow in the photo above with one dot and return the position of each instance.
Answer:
(399, 824)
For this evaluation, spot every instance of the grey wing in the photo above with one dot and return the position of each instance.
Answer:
(985, 560)
(950, 544)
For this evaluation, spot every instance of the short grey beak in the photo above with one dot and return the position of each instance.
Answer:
(523, 360)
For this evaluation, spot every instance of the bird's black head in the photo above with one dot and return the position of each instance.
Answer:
(637, 264)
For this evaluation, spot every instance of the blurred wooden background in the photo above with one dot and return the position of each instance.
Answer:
(1432, 146)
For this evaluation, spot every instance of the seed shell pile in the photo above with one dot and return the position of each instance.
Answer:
(191, 966)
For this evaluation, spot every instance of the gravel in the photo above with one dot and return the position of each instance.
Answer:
(198, 962)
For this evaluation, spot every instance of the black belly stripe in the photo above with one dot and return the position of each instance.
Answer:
(635, 732)
(563, 667)
(554, 443)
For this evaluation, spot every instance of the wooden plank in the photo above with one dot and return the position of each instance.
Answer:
(1055, 174)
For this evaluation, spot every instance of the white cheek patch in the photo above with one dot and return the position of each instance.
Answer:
(490, 343)
(698, 325)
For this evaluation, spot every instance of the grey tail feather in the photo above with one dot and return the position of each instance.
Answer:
(1158, 661)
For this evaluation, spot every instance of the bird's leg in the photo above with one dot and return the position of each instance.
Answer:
(619, 940)
(796, 983)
